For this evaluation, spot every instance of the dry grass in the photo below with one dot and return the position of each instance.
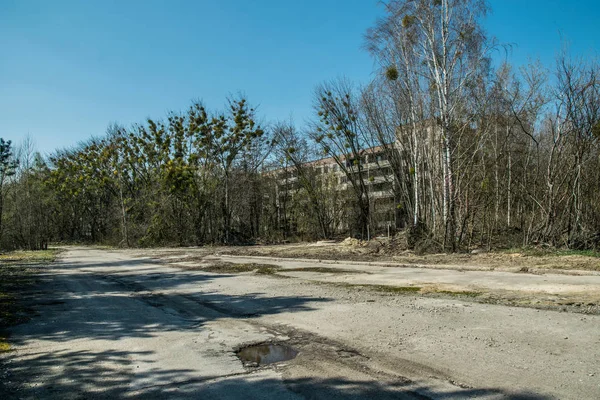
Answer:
(523, 260)
(4, 345)
(573, 303)
(423, 290)
(25, 258)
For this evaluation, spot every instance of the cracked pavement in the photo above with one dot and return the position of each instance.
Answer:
(112, 325)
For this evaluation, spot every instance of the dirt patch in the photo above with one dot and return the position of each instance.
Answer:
(384, 250)
(233, 268)
(571, 302)
(395, 289)
(379, 288)
(323, 270)
(582, 304)
(352, 242)
(422, 290)
(459, 293)
(262, 269)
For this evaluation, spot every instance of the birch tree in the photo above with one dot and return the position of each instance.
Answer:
(440, 42)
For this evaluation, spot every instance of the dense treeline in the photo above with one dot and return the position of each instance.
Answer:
(174, 182)
(480, 155)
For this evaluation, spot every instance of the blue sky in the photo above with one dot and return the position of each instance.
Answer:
(70, 67)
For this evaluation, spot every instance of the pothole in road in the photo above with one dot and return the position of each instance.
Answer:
(266, 353)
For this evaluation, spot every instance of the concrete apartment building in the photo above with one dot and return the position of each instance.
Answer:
(384, 189)
(378, 177)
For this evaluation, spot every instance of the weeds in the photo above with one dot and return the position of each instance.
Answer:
(26, 258)
(232, 268)
(324, 270)
(552, 252)
(382, 288)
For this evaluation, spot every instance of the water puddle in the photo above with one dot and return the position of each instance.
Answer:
(266, 353)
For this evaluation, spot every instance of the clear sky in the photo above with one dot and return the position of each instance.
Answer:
(70, 67)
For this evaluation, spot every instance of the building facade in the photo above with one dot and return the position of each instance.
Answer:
(333, 177)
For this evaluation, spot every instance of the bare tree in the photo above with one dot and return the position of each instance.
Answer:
(293, 149)
(441, 44)
(339, 132)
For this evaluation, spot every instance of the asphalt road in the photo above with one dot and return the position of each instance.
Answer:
(114, 326)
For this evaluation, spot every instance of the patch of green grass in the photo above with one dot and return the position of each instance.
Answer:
(4, 345)
(584, 253)
(382, 288)
(25, 258)
(324, 270)
(232, 268)
(397, 289)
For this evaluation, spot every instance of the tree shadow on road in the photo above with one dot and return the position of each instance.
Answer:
(135, 300)
(109, 375)
(342, 388)
(142, 302)
(111, 306)
(80, 375)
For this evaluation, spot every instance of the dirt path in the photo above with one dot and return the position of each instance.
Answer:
(115, 326)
